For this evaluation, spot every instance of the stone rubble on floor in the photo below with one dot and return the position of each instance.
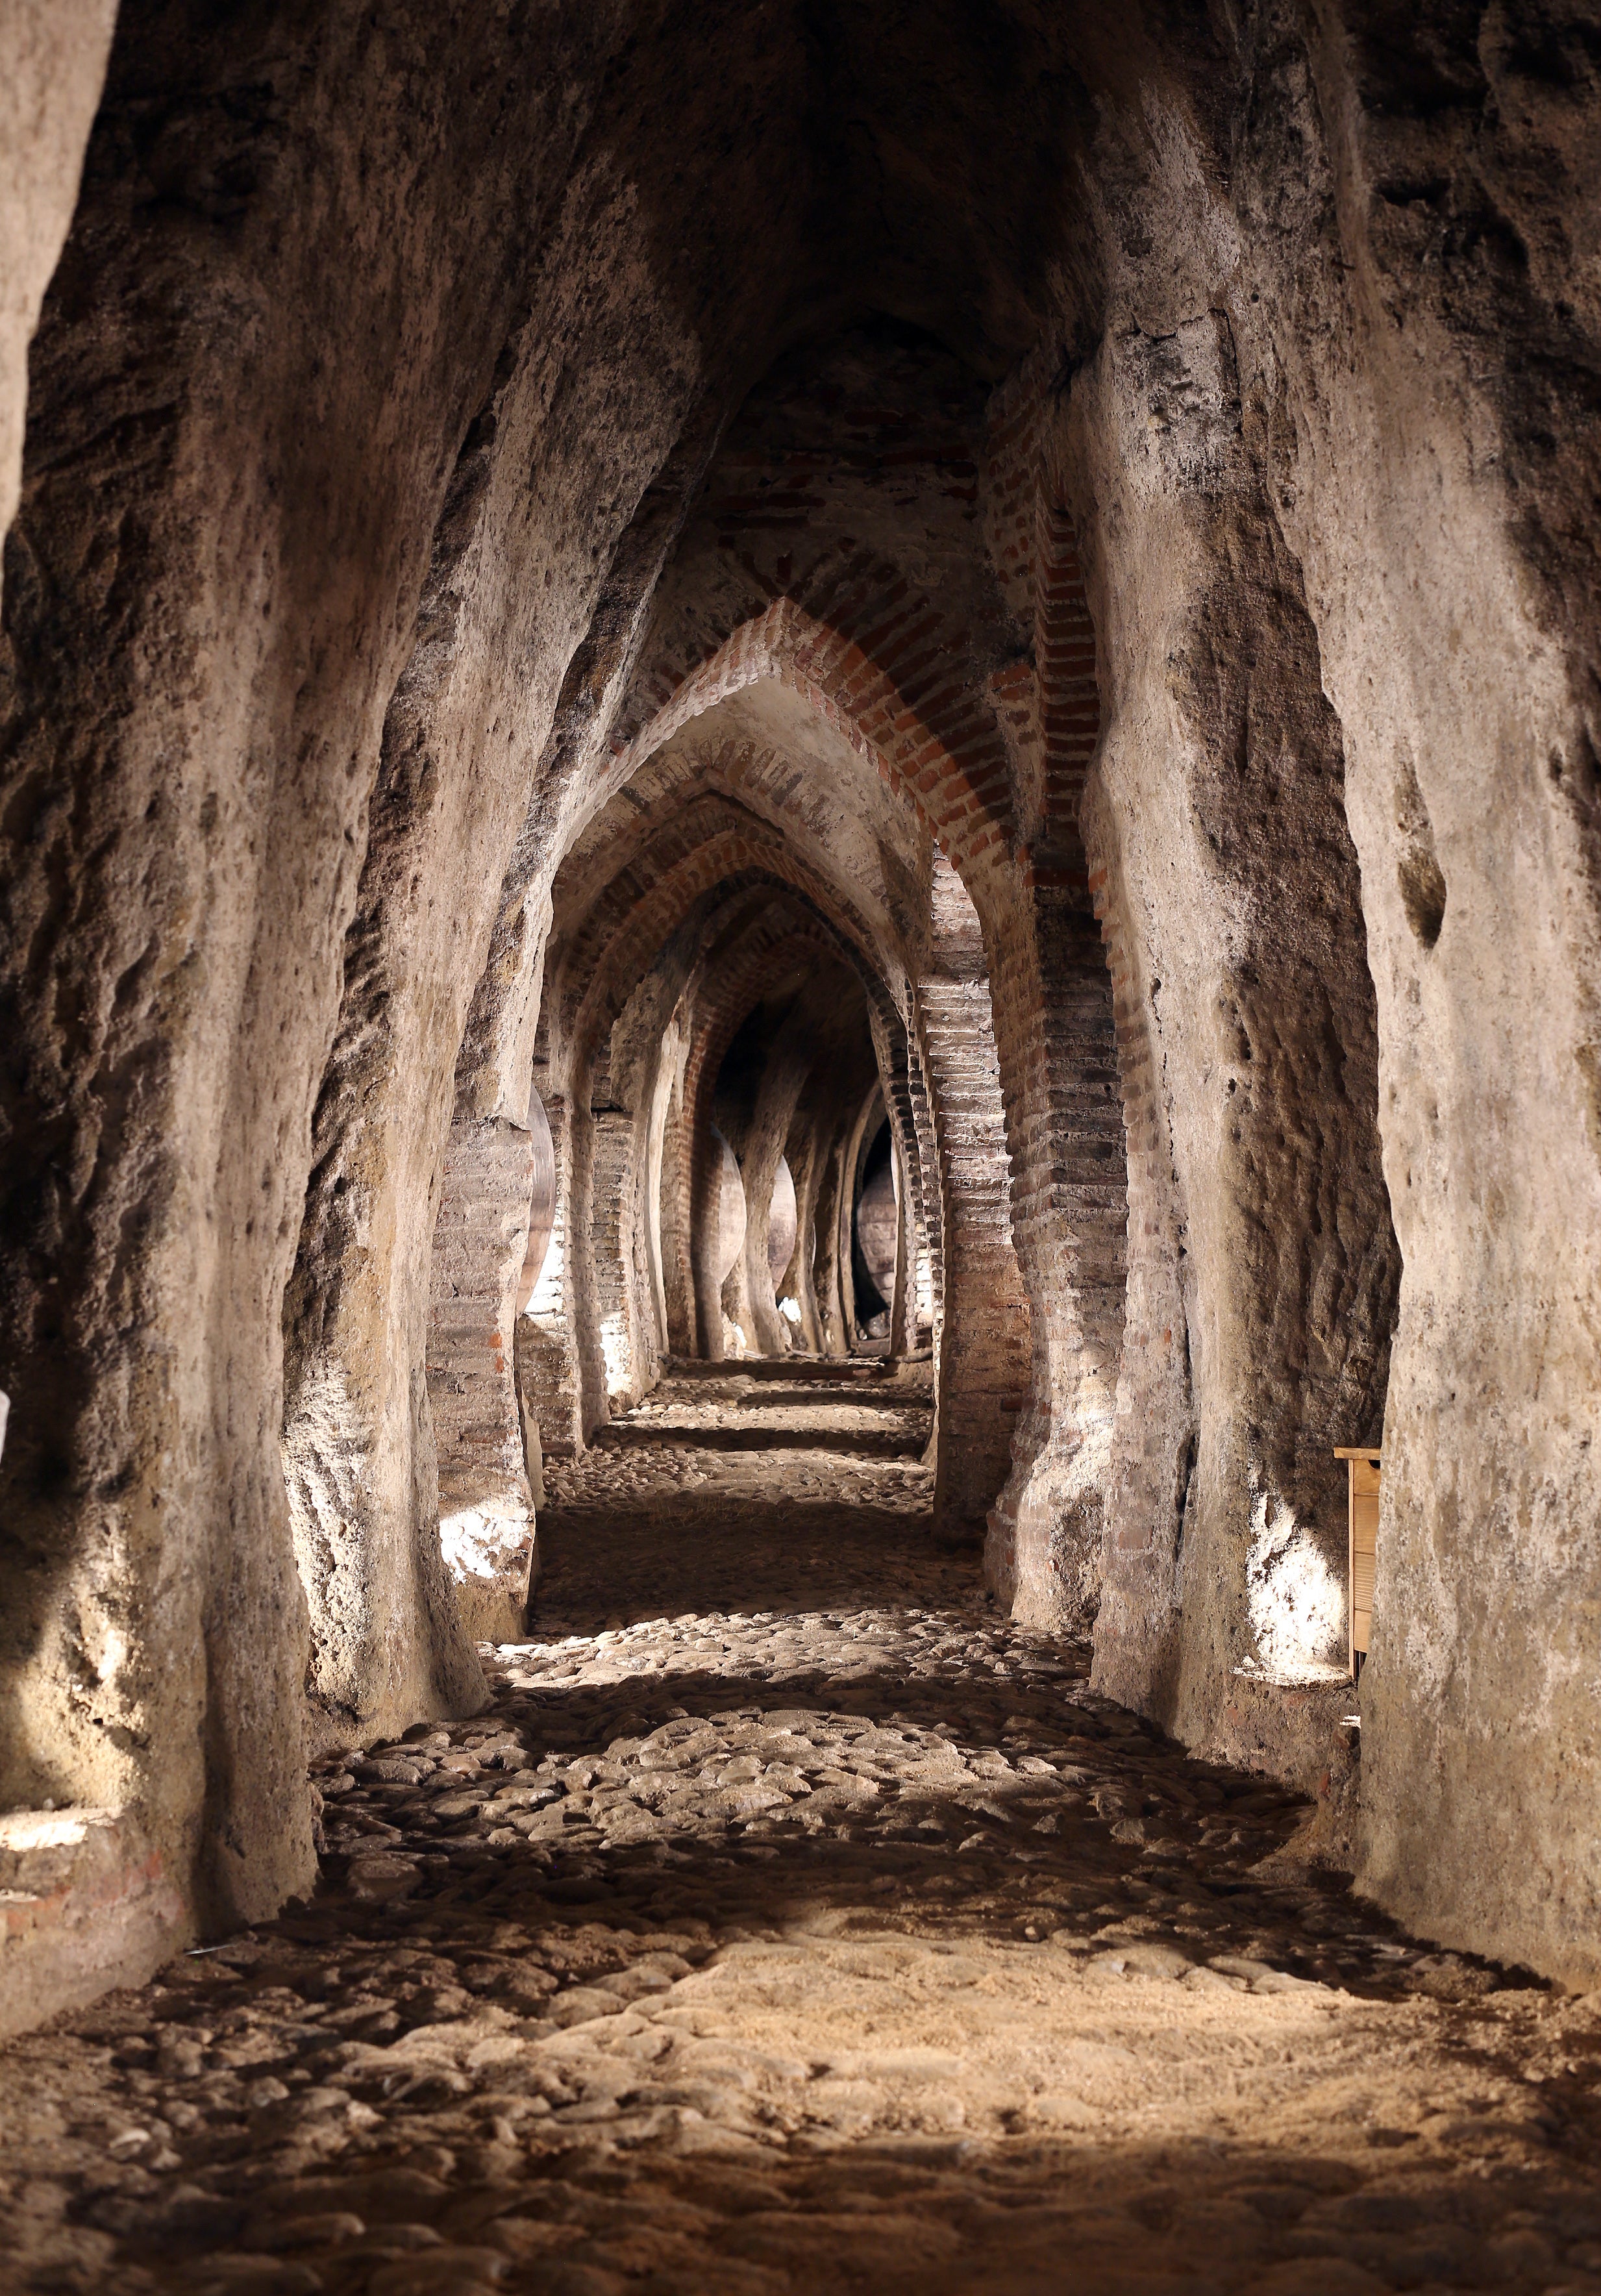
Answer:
(840, 1939)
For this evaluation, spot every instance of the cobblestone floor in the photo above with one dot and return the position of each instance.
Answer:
(790, 1922)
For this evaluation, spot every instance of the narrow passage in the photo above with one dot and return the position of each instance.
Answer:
(791, 1921)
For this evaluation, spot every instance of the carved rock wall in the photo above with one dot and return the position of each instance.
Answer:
(542, 539)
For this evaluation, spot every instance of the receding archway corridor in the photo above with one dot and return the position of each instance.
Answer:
(800, 1146)
(791, 1921)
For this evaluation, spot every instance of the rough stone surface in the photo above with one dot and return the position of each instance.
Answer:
(54, 56)
(828, 1939)
(1029, 573)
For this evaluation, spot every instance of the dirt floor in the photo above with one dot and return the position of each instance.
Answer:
(791, 1922)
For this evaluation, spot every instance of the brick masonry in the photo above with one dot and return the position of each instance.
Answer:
(975, 709)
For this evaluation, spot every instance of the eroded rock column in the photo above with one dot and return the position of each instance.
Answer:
(1238, 913)
(982, 1346)
(480, 1249)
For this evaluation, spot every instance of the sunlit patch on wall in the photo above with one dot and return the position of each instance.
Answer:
(1296, 1601)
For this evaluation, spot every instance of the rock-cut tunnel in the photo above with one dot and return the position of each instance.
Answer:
(799, 1148)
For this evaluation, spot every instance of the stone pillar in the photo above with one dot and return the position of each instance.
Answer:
(717, 1234)
(930, 1203)
(486, 1507)
(902, 1306)
(677, 1259)
(546, 1352)
(614, 1199)
(1233, 900)
(825, 1248)
(1054, 1031)
(807, 1163)
(1151, 1490)
(982, 1378)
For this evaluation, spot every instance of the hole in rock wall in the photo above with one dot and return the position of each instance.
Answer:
(1417, 869)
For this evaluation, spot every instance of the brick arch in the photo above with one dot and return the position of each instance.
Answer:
(695, 860)
(904, 647)
(947, 760)
(711, 846)
(1052, 1132)
(760, 781)
(878, 663)
(715, 844)
(933, 747)
(764, 942)
(895, 1060)
(675, 860)
(726, 920)
(597, 1342)
(892, 672)
(884, 693)
(568, 1383)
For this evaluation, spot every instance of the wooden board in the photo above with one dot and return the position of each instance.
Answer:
(1362, 1540)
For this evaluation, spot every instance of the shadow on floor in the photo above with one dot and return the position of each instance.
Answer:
(799, 1553)
(853, 1443)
